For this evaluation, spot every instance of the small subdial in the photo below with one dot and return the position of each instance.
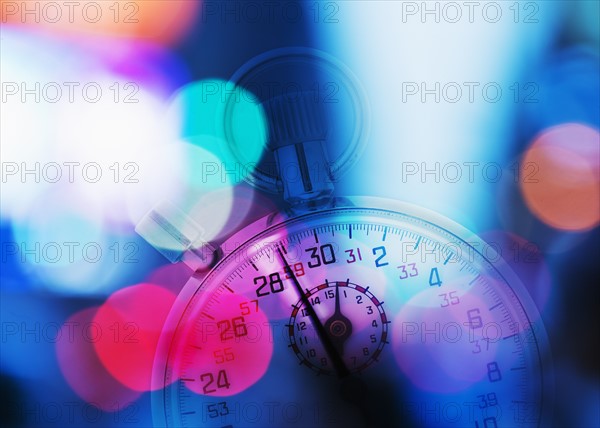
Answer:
(354, 320)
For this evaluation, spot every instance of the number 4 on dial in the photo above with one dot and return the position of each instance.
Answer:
(434, 278)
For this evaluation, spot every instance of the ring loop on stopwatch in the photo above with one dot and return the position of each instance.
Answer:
(313, 75)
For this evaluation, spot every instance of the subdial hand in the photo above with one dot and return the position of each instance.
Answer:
(338, 326)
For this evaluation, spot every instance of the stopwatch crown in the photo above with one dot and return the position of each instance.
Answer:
(294, 118)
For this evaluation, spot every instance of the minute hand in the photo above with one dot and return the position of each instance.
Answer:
(338, 363)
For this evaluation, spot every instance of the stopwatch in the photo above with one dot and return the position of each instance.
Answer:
(346, 312)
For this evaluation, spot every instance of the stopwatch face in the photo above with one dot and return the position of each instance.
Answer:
(354, 317)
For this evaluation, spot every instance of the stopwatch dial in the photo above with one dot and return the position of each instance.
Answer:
(354, 317)
(354, 321)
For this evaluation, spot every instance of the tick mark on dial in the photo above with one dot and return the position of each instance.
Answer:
(448, 258)
(495, 306)
(474, 279)
(418, 242)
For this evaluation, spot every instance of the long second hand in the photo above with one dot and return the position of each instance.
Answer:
(353, 389)
(336, 359)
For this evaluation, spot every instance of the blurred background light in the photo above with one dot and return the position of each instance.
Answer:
(90, 139)
(565, 191)
(127, 154)
(112, 136)
(205, 107)
(135, 318)
(61, 242)
(207, 190)
(81, 367)
(515, 217)
(26, 131)
(159, 70)
(423, 53)
(159, 21)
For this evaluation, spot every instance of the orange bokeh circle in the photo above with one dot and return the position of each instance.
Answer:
(559, 177)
